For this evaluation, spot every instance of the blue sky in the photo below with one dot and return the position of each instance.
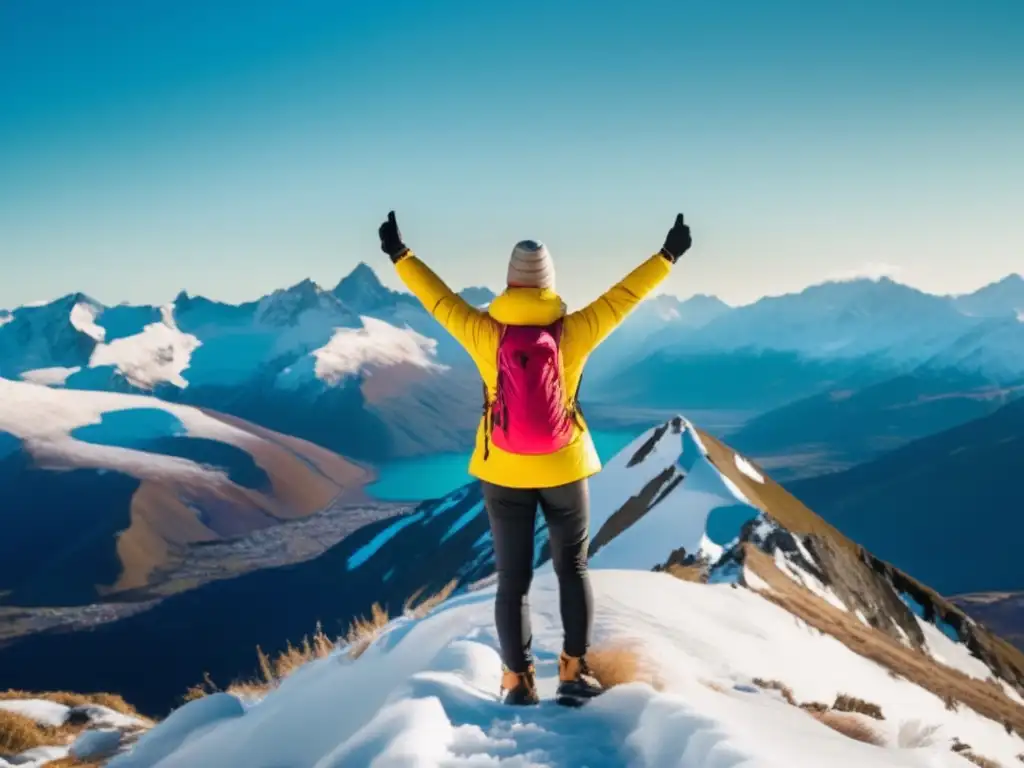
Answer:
(232, 148)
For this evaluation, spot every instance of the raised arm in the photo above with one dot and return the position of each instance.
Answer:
(473, 329)
(588, 327)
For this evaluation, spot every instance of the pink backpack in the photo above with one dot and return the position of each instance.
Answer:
(530, 414)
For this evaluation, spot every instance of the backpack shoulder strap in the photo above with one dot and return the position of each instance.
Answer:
(556, 329)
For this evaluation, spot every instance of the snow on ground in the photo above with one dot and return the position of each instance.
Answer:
(159, 353)
(950, 653)
(38, 757)
(702, 511)
(44, 712)
(104, 734)
(425, 694)
(376, 344)
(50, 377)
(83, 319)
(807, 580)
(52, 714)
(44, 418)
(747, 469)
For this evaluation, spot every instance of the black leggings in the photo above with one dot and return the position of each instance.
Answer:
(512, 513)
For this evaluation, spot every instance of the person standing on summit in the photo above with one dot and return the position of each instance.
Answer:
(533, 447)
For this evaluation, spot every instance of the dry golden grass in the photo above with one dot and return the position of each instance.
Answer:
(421, 609)
(714, 686)
(109, 700)
(365, 629)
(70, 762)
(621, 663)
(849, 726)
(979, 760)
(775, 685)
(694, 573)
(615, 665)
(360, 635)
(814, 706)
(945, 682)
(846, 703)
(18, 733)
(274, 670)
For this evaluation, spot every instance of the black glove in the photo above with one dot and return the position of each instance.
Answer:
(391, 239)
(678, 241)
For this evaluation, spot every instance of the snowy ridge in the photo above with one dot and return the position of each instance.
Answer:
(428, 696)
(428, 686)
(51, 440)
(159, 353)
(311, 334)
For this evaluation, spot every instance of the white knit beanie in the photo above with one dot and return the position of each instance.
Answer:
(530, 266)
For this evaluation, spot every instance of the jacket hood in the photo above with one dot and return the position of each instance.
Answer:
(527, 306)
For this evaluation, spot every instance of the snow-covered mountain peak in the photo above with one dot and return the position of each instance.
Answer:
(285, 306)
(1001, 298)
(362, 290)
(83, 317)
(478, 296)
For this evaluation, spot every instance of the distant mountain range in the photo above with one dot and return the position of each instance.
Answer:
(836, 374)
(855, 366)
(781, 348)
(301, 359)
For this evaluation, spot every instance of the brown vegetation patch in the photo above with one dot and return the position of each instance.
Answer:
(814, 706)
(946, 683)
(979, 760)
(417, 608)
(695, 573)
(848, 725)
(845, 703)
(109, 700)
(19, 733)
(775, 685)
(360, 635)
(616, 665)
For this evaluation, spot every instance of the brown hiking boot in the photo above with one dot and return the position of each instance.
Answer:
(576, 683)
(520, 688)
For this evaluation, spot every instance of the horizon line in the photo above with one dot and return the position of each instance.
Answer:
(826, 281)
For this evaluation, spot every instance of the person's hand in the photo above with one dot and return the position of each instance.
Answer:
(391, 239)
(678, 241)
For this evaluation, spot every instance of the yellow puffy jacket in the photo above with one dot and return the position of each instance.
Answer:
(478, 332)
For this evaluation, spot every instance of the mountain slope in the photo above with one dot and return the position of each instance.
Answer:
(428, 696)
(937, 501)
(674, 497)
(1003, 611)
(1003, 298)
(103, 490)
(838, 428)
(837, 335)
(790, 605)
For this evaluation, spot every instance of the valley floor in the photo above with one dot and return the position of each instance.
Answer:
(289, 542)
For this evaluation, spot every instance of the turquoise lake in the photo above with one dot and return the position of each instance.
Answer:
(430, 477)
